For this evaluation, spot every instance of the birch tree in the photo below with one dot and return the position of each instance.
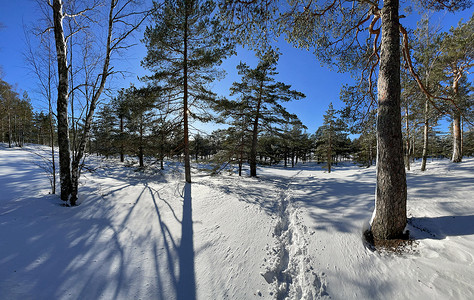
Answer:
(122, 18)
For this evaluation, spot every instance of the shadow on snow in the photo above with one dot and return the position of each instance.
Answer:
(88, 251)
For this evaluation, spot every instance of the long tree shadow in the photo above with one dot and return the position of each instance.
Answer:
(185, 283)
(439, 228)
(187, 280)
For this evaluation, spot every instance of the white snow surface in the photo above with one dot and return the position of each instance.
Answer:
(292, 233)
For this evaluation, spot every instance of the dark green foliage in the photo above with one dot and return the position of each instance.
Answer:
(185, 44)
(134, 123)
(258, 107)
(331, 140)
(468, 142)
(104, 131)
(16, 117)
(365, 147)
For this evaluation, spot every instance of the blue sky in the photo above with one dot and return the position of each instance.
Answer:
(296, 67)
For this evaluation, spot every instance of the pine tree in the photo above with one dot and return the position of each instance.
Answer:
(185, 44)
(334, 31)
(426, 48)
(330, 137)
(103, 130)
(456, 61)
(260, 99)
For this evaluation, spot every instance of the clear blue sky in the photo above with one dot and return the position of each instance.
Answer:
(296, 67)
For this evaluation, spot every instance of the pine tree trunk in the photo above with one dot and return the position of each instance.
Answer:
(121, 139)
(457, 154)
(425, 137)
(62, 103)
(389, 219)
(187, 164)
(253, 149)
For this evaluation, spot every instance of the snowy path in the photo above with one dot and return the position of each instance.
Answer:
(336, 207)
(291, 233)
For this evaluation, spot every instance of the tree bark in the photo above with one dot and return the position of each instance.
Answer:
(187, 164)
(457, 154)
(253, 149)
(62, 102)
(389, 219)
(425, 137)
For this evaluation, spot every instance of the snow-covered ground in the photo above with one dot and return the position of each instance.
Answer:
(291, 233)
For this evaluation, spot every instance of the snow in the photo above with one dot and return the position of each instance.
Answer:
(289, 234)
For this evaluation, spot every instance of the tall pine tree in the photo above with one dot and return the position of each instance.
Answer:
(185, 45)
(331, 138)
(260, 99)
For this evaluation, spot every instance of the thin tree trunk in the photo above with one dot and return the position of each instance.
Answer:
(62, 102)
(187, 163)
(121, 139)
(162, 150)
(140, 147)
(408, 145)
(389, 219)
(253, 149)
(457, 154)
(92, 106)
(425, 137)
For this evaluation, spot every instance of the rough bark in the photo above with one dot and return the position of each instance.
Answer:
(389, 218)
(457, 154)
(62, 102)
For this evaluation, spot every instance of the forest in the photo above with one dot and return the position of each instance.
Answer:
(406, 124)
